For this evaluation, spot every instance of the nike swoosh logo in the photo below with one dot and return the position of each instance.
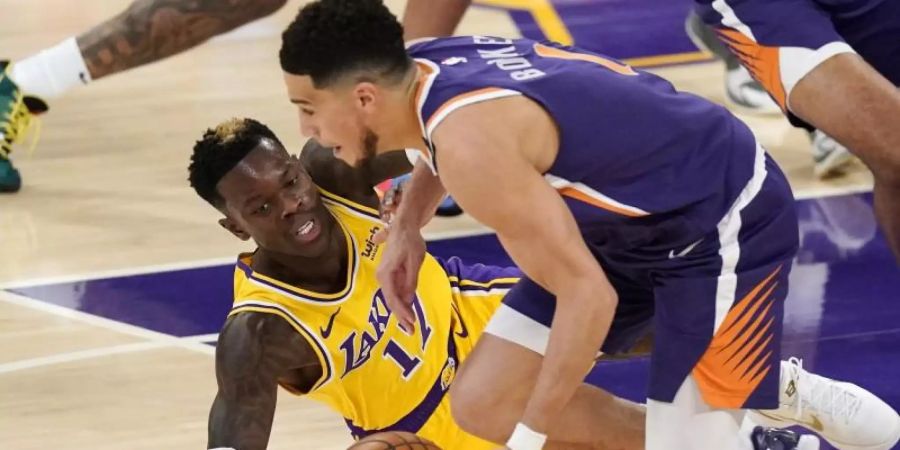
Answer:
(327, 330)
(673, 255)
(464, 333)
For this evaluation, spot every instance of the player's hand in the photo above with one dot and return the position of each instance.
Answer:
(398, 272)
(387, 208)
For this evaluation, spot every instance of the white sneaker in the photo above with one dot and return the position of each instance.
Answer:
(747, 94)
(844, 414)
(829, 156)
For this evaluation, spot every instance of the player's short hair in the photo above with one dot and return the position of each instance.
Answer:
(220, 149)
(330, 39)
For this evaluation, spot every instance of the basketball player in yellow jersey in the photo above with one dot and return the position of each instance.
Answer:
(309, 316)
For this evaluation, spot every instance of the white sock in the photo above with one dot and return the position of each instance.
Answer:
(688, 423)
(51, 72)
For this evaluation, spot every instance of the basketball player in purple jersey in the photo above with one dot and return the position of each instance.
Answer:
(577, 161)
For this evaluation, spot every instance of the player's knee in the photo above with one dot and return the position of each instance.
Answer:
(475, 410)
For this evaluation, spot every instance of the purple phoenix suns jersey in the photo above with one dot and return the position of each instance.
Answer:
(641, 166)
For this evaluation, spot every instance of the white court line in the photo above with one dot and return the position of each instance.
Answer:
(453, 234)
(109, 324)
(60, 358)
(187, 265)
(479, 230)
(830, 191)
(81, 355)
(202, 338)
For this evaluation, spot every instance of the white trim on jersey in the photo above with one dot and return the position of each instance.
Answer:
(462, 100)
(513, 326)
(729, 247)
(560, 183)
(797, 62)
(730, 18)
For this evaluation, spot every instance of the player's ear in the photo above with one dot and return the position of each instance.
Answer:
(365, 93)
(233, 228)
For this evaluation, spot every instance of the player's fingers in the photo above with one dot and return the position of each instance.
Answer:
(382, 235)
(405, 298)
(390, 278)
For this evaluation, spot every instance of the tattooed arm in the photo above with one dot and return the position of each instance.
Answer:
(353, 183)
(254, 352)
(150, 30)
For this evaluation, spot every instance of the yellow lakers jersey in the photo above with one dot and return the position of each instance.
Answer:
(375, 375)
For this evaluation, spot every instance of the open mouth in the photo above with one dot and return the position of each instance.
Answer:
(306, 228)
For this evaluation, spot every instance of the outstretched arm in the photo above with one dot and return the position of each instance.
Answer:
(487, 172)
(353, 183)
(150, 30)
(253, 352)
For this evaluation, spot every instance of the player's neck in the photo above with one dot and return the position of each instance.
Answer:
(326, 273)
(407, 130)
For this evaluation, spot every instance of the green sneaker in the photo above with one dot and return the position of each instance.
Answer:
(17, 117)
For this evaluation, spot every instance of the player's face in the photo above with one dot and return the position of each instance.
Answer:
(271, 198)
(336, 116)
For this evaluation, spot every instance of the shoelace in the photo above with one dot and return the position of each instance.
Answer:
(17, 124)
(836, 402)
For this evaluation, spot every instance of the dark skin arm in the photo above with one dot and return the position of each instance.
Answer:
(150, 30)
(352, 183)
(255, 351)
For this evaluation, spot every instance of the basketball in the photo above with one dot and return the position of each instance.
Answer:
(394, 440)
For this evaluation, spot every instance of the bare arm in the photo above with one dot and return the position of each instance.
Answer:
(354, 183)
(150, 30)
(432, 18)
(485, 171)
(254, 350)
(404, 250)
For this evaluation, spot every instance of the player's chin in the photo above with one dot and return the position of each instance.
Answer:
(309, 246)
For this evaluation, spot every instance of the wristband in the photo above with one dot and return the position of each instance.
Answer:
(524, 438)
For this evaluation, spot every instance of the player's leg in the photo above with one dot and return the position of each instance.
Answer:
(432, 18)
(740, 366)
(489, 405)
(513, 344)
(478, 291)
(800, 55)
(776, 48)
(861, 110)
(147, 31)
(732, 283)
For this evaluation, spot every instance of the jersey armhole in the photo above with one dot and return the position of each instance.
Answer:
(318, 347)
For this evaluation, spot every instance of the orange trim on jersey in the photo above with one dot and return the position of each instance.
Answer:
(465, 95)
(553, 52)
(762, 61)
(425, 72)
(578, 195)
(735, 363)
